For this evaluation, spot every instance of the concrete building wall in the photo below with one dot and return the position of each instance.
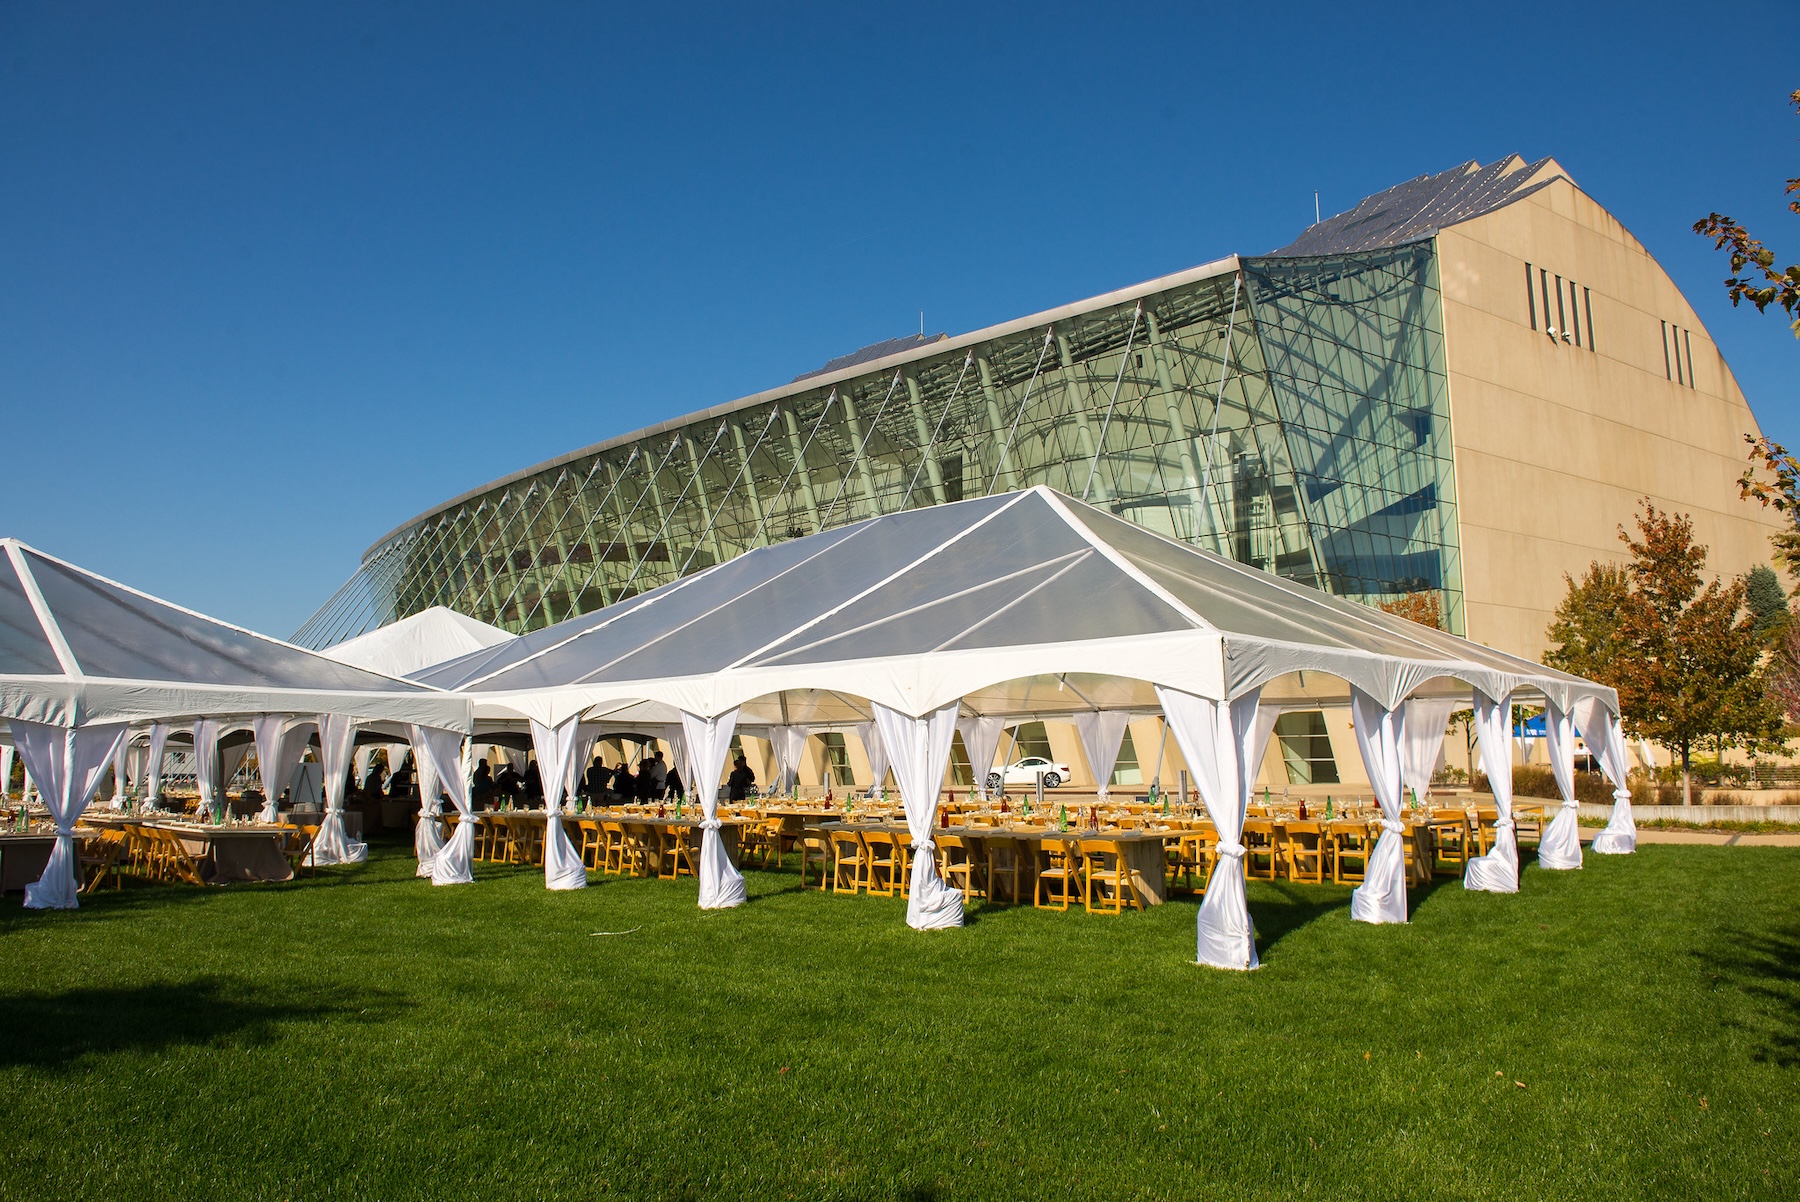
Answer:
(1555, 443)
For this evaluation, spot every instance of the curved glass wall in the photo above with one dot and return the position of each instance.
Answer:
(1293, 415)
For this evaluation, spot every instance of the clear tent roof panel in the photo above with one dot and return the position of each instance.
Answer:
(24, 648)
(115, 632)
(708, 622)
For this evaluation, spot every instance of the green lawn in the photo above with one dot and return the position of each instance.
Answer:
(1628, 1031)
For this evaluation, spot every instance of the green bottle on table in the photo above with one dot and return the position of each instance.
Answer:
(1062, 816)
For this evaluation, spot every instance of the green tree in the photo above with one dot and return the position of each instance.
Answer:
(1683, 653)
(1768, 603)
(1585, 632)
(1754, 276)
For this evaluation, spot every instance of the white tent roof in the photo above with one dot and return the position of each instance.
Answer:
(77, 648)
(1024, 603)
(424, 640)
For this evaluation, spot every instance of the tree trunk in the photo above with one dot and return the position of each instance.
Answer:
(1687, 784)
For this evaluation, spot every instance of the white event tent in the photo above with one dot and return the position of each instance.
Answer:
(1022, 605)
(84, 659)
(424, 640)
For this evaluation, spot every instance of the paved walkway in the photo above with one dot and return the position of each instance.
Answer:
(1718, 838)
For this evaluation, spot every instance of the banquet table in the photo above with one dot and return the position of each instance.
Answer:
(23, 858)
(1141, 850)
(234, 853)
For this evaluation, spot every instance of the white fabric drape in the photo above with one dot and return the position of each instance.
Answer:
(66, 765)
(1498, 870)
(1102, 733)
(333, 845)
(981, 739)
(1560, 846)
(555, 746)
(118, 767)
(363, 760)
(1264, 726)
(1422, 740)
(428, 832)
(788, 743)
(396, 756)
(153, 764)
(206, 765)
(280, 742)
(586, 735)
(230, 760)
(920, 748)
(708, 741)
(6, 763)
(1218, 741)
(870, 734)
(446, 756)
(1382, 895)
(441, 758)
(1606, 740)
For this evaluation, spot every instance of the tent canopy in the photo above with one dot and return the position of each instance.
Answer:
(77, 648)
(413, 644)
(1025, 602)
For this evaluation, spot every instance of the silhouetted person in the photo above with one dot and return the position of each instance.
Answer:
(533, 783)
(481, 788)
(508, 784)
(594, 784)
(741, 781)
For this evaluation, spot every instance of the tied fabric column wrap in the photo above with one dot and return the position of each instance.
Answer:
(555, 747)
(279, 746)
(153, 765)
(1102, 733)
(66, 764)
(708, 742)
(1423, 739)
(1382, 895)
(1498, 870)
(206, 765)
(981, 739)
(6, 763)
(428, 833)
(788, 742)
(1219, 743)
(920, 750)
(870, 734)
(1602, 730)
(333, 845)
(118, 767)
(447, 756)
(1560, 847)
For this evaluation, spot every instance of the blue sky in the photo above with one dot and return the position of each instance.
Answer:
(273, 279)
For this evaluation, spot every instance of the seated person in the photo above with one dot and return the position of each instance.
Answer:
(481, 788)
(508, 785)
(620, 787)
(594, 783)
(532, 782)
(672, 786)
(742, 782)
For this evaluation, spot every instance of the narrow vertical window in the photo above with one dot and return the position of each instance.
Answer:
(1687, 344)
(1544, 295)
(1587, 305)
(1675, 342)
(1562, 318)
(1667, 370)
(1530, 297)
(1575, 312)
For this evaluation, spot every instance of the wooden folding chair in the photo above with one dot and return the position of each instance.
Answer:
(1059, 865)
(1107, 888)
(881, 863)
(1305, 850)
(99, 855)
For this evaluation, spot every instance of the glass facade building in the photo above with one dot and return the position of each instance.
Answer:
(1289, 412)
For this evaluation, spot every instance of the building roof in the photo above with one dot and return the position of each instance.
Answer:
(872, 352)
(1419, 208)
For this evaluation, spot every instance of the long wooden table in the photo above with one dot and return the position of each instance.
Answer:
(23, 858)
(1140, 850)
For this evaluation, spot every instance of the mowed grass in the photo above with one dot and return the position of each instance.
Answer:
(1628, 1031)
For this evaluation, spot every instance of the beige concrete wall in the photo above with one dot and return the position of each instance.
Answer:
(1554, 444)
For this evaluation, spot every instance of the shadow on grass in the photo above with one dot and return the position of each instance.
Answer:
(54, 1029)
(1297, 906)
(1764, 966)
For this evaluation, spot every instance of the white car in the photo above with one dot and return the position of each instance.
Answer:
(1025, 772)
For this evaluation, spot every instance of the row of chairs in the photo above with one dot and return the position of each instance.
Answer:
(636, 849)
(1057, 873)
